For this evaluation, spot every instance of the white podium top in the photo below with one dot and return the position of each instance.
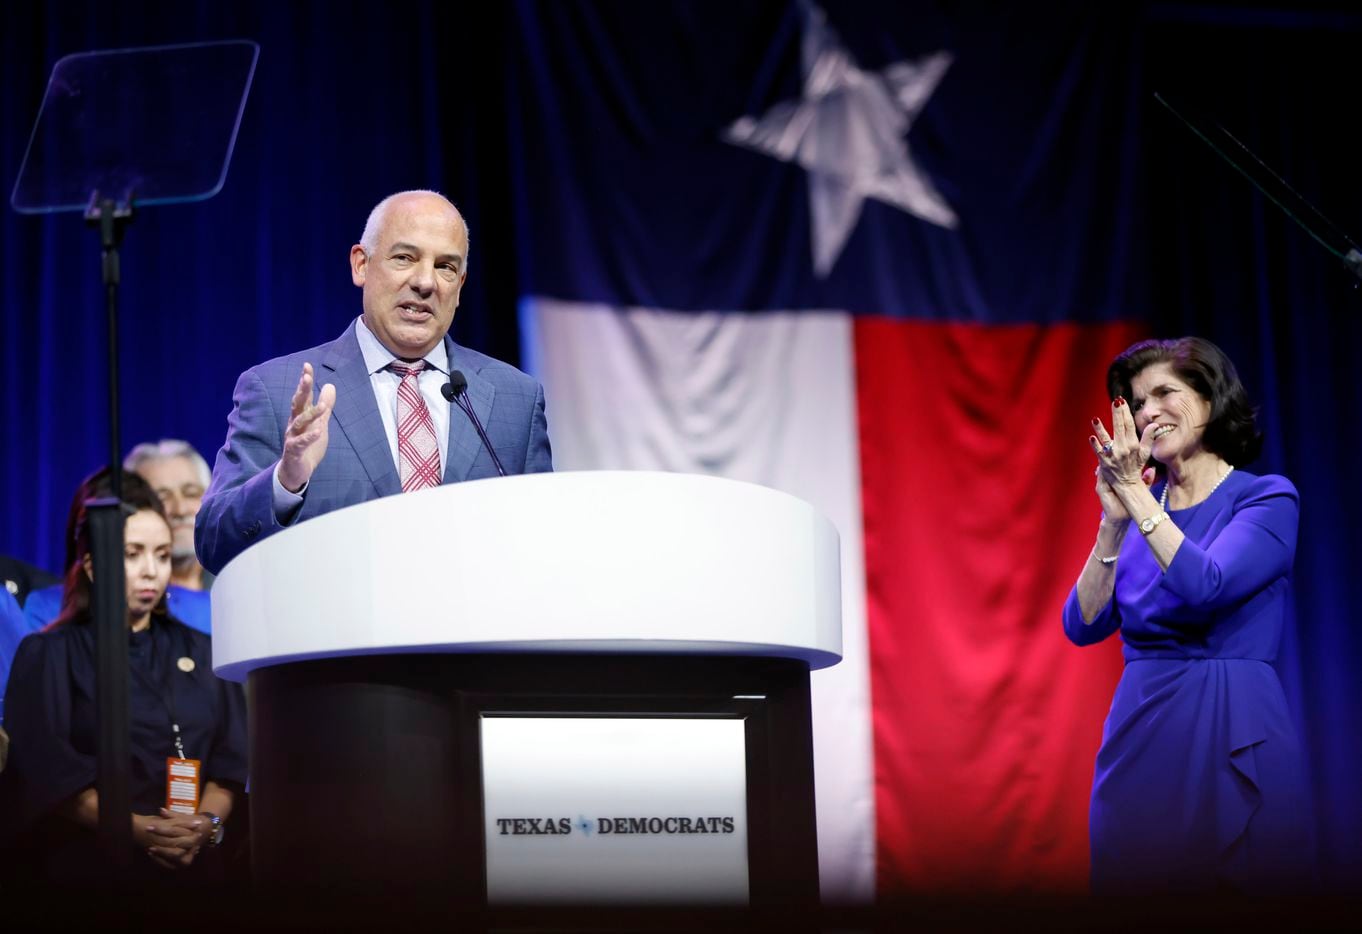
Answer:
(599, 561)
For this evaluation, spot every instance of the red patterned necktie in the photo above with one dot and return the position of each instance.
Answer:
(418, 456)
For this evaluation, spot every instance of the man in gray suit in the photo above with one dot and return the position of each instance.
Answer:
(388, 416)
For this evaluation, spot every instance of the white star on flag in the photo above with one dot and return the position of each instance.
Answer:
(847, 131)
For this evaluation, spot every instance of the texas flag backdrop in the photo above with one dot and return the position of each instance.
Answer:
(879, 259)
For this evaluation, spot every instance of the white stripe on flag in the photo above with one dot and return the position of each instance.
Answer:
(768, 398)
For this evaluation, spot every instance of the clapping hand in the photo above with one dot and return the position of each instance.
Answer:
(1122, 457)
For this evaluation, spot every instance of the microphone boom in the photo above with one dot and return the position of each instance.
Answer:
(453, 391)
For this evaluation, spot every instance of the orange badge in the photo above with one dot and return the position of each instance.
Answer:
(182, 785)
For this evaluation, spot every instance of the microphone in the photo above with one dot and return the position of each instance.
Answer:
(454, 386)
(453, 391)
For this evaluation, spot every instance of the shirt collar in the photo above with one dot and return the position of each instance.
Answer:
(377, 357)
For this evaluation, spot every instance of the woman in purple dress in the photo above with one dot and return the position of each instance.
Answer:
(1200, 781)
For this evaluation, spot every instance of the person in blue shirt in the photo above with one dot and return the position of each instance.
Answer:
(178, 475)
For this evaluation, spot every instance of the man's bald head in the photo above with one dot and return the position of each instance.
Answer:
(374, 224)
(411, 262)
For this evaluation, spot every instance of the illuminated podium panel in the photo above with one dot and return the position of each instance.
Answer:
(584, 688)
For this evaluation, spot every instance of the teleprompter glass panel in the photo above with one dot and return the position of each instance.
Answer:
(149, 125)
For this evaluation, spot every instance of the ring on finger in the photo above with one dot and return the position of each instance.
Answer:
(1106, 448)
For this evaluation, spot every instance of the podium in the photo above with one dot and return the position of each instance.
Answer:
(573, 688)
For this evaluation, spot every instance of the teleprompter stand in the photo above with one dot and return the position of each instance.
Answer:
(151, 126)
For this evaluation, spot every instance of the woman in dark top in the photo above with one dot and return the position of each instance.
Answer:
(51, 717)
(1200, 783)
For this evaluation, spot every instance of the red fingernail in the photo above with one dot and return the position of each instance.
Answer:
(1095, 423)
(1120, 401)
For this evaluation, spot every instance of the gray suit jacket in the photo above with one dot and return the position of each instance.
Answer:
(238, 509)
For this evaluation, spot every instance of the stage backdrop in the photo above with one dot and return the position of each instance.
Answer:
(880, 263)
(877, 255)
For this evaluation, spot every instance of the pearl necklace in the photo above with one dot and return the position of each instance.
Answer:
(1163, 500)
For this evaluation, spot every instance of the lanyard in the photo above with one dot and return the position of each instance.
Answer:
(164, 690)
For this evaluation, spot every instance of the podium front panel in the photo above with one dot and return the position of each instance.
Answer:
(368, 773)
(614, 810)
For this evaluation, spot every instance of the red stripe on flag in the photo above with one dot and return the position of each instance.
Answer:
(979, 511)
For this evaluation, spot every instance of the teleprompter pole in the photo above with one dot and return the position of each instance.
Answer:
(109, 603)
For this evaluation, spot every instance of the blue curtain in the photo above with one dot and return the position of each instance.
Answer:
(352, 102)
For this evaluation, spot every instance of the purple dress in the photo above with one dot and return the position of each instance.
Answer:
(1200, 783)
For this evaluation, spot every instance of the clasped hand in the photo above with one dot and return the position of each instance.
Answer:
(171, 840)
(1122, 457)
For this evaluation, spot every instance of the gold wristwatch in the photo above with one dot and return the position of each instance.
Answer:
(1150, 524)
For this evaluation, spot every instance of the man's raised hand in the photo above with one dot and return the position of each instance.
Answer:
(306, 436)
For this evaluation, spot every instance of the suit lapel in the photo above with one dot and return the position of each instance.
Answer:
(464, 443)
(356, 412)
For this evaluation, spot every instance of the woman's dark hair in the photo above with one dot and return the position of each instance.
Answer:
(1232, 430)
(137, 496)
